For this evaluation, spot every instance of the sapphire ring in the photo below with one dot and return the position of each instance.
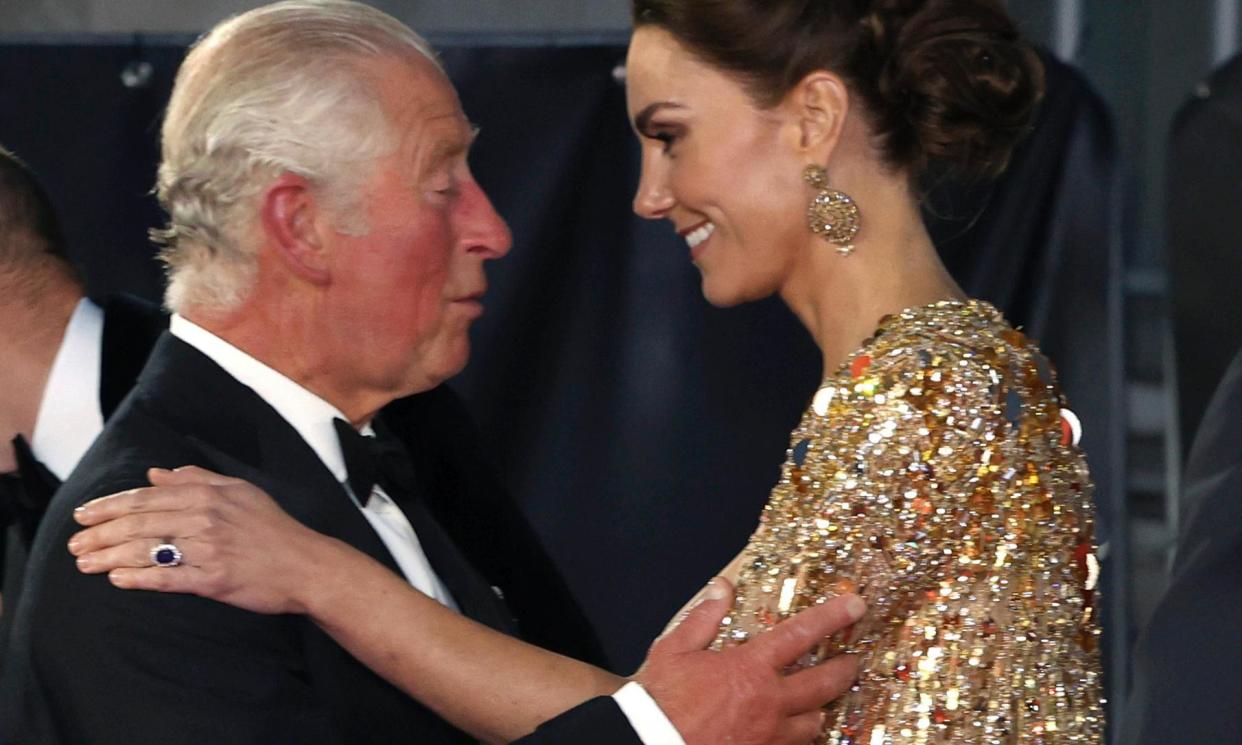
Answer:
(165, 555)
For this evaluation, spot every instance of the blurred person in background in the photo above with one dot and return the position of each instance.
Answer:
(1179, 693)
(67, 362)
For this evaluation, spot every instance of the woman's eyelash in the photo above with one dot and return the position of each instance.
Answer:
(665, 137)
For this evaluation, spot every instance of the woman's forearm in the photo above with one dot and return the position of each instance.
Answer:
(493, 686)
(434, 654)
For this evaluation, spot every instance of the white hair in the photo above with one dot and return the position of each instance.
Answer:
(286, 88)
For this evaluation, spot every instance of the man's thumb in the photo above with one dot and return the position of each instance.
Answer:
(697, 627)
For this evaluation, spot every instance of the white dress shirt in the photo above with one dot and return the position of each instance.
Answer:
(312, 417)
(69, 417)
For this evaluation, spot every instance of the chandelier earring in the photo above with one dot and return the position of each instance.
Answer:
(832, 215)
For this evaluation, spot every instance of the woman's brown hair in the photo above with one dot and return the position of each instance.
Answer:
(944, 82)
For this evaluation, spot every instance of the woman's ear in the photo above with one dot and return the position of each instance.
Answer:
(819, 103)
(288, 215)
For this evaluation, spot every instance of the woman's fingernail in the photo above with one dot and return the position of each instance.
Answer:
(85, 562)
(74, 544)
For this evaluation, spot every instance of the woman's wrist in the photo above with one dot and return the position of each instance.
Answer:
(320, 572)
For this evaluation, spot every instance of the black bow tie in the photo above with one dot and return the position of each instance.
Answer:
(370, 460)
(24, 495)
(11, 498)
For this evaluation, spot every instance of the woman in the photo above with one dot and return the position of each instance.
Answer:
(936, 471)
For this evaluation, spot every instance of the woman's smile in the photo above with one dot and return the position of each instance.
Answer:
(696, 236)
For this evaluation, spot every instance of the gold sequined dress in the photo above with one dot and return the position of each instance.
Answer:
(937, 474)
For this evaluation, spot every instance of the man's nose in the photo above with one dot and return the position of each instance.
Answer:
(487, 233)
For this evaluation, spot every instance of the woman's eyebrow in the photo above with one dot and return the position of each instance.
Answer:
(642, 122)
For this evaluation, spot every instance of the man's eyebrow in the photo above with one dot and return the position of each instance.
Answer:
(642, 122)
(453, 148)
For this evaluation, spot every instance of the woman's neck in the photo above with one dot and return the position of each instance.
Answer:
(840, 299)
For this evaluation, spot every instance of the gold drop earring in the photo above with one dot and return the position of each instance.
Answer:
(832, 215)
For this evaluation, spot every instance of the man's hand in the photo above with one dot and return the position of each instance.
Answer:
(740, 695)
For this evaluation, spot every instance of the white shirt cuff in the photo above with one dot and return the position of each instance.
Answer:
(649, 722)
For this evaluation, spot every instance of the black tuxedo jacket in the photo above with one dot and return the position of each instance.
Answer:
(130, 329)
(463, 491)
(1185, 684)
(90, 663)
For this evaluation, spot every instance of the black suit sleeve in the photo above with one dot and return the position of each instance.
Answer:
(1187, 656)
(598, 721)
(96, 664)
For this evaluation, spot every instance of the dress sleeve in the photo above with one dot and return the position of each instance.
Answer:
(962, 515)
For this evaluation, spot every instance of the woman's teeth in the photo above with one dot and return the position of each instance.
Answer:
(700, 234)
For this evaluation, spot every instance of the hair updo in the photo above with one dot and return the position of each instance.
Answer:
(944, 82)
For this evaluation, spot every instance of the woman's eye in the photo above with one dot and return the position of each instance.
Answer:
(666, 138)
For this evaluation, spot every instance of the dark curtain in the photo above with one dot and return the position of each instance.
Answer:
(640, 429)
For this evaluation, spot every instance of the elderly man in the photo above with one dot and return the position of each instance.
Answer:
(326, 250)
(67, 363)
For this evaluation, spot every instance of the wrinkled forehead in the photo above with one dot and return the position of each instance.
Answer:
(423, 107)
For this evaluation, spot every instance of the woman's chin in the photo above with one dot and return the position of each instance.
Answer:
(718, 299)
(726, 294)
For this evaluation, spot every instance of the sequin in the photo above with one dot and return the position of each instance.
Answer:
(964, 519)
(1071, 428)
(823, 400)
(800, 451)
(1013, 406)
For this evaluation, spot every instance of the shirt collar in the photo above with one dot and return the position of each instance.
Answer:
(307, 413)
(70, 417)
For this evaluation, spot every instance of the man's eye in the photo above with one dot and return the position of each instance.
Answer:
(445, 187)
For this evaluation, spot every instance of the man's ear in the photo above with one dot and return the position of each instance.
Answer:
(819, 104)
(289, 215)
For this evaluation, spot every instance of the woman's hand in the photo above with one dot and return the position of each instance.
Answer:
(237, 545)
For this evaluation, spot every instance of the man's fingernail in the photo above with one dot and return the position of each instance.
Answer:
(855, 607)
(715, 590)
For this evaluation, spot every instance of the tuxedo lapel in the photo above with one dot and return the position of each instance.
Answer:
(474, 596)
(241, 435)
(131, 328)
(476, 599)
